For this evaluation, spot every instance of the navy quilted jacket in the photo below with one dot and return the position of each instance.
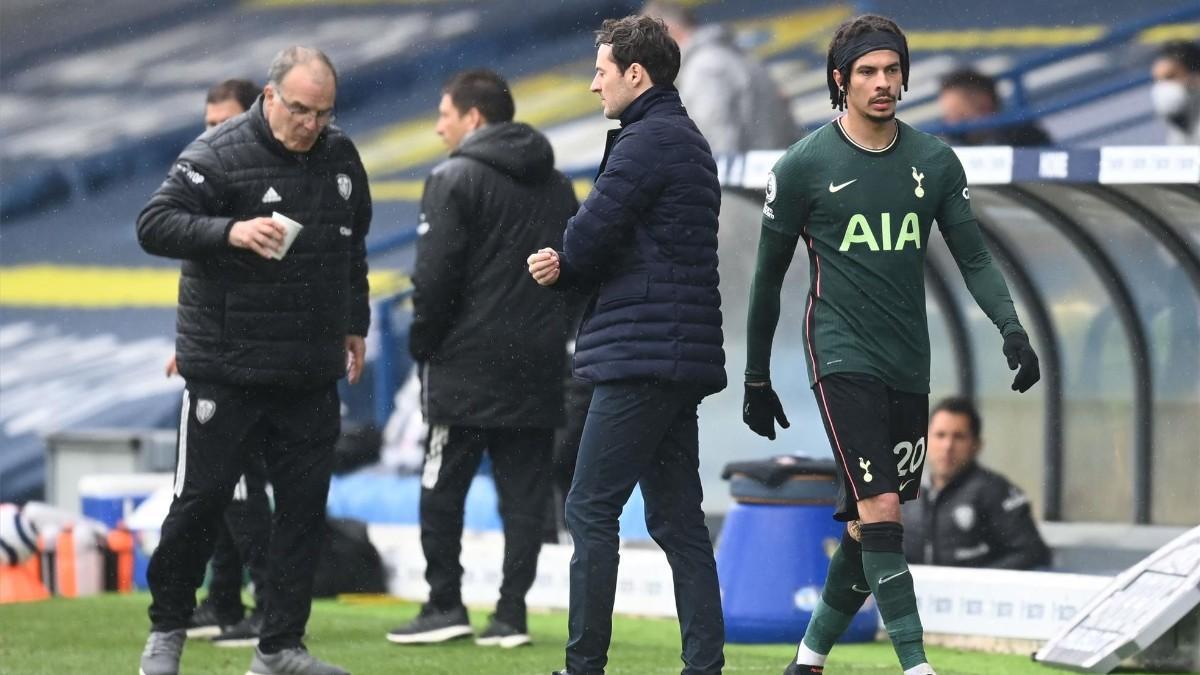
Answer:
(644, 243)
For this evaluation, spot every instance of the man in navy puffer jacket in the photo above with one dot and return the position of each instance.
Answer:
(644, 245)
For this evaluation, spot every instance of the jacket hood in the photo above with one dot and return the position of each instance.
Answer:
(513, 148)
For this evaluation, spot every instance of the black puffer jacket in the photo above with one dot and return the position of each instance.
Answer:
(493, 342)
(243, 319)
(979, 519)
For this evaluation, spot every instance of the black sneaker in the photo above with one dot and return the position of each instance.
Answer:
(501, 634)
(207, 621)
(803, 669)
(244, 634)
(431, 626)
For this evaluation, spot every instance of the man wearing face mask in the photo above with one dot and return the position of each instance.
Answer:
(1176, 91)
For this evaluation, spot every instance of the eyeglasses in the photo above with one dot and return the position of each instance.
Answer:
(321, 117)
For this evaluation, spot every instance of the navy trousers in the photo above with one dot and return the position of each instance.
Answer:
(641, 432)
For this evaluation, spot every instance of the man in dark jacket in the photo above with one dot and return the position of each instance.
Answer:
(644, 245)
(968, 95)
(264, 333)
(491, 344)
(243, 534)
(968, 516)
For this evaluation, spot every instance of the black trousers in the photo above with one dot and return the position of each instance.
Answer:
(242, 539)
(641, 432)
(218, 424)
(521, 466)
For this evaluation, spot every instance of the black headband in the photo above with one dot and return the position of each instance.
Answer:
(843, 57)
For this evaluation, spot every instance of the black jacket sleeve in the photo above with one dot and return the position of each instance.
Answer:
(440, 270)
(182, 218)
(360, 300)
(1010, 530)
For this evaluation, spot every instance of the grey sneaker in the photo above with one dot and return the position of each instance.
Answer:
(295, 661)
(431, 626)
(162, 652)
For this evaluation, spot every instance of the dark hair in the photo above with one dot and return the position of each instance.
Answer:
(242, 91)
(1186, 53)
(483, 90)
(853, 28)
(960, 405)
(968, 79)
(670, 10)
(642, 40)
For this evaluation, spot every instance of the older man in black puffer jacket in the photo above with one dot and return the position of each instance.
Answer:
(262, 341)
(644, 244)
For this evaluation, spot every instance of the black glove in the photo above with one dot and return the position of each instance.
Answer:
(1019, 353)
(761, 408)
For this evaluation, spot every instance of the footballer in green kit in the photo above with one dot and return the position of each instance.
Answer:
(864, 193)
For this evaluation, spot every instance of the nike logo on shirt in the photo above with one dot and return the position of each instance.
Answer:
(835, 188)
(904, 485)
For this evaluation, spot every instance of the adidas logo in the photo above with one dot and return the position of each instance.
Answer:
(271, 196)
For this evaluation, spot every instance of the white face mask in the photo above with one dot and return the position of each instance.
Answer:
(1168, 97)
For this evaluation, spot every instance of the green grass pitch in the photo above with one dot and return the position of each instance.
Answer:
(105, 635)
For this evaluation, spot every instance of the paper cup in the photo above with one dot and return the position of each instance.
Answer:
(293, 230)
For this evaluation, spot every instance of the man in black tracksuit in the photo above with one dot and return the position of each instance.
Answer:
(491, 344)
(967, 515)
(263, 336)
(243, 536)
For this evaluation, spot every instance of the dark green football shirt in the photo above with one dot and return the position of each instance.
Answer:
(866, 217)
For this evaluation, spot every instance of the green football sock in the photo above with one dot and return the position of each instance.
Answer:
(845, 592)
(891, 582)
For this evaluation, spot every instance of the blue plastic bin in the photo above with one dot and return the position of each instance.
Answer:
(774, 553)
(110, 498)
